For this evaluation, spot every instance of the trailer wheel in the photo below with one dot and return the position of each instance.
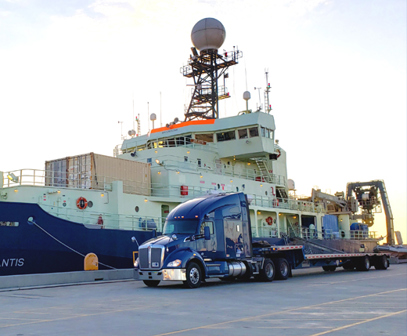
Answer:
(329, 268)
(151, 283)
(193, 275)
(267, 273)
(363, 264)
(282, 269)
(381, 263)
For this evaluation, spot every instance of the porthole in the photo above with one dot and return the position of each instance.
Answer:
(136, 208)
(90, 204)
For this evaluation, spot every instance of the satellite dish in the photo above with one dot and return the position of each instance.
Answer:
(176, 120)
(208, 34)
(153, 117)
(246, 95)
(132, 133)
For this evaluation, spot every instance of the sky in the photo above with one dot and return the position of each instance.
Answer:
(74, 73)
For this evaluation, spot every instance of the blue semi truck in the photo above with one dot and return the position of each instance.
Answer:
(210, 237)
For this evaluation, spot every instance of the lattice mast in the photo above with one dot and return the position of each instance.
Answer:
(206, 68)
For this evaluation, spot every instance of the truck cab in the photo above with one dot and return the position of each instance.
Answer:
(204, 237)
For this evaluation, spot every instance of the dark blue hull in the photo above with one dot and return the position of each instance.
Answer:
(29, 248)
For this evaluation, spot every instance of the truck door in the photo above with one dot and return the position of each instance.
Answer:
(208, 248)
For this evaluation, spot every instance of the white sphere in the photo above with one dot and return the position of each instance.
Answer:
(153, 117)
(208, 34)
(246, 95)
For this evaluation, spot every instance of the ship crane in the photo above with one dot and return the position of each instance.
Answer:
(367, 197)
(206, 67)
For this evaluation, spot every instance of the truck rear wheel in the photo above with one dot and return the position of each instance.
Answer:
(381, 263)
(267, 273)
(363, 264)
(282, 269)
(151, 283)
(193, 275)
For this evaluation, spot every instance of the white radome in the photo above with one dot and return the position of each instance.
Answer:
(208, 34)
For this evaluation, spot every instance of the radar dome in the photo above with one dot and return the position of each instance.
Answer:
(208, 34)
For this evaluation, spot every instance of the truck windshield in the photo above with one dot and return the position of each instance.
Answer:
(187, 226)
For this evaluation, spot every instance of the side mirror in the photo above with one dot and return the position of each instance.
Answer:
(154, 232)
(207, 233)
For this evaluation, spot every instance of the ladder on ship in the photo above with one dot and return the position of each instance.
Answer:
(264, 172)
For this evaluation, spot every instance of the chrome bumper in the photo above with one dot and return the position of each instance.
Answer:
(169, 274)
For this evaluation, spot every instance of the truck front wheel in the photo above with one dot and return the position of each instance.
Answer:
(151, 283)
(193, 275)
(267, 273)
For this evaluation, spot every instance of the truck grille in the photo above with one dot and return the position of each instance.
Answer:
(151, 257)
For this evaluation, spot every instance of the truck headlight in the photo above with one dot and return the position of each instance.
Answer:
(174, 263)
(136, 263)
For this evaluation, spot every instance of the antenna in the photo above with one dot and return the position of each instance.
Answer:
(121, 129)
(259, 106)
(138, 125)
(148, 115)
(267, 105)
(161, 112)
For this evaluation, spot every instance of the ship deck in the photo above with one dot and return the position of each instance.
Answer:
(311, 303)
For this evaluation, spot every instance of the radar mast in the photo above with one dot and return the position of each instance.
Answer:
(206, 68)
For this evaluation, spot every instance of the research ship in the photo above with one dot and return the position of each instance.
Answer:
(52, 220)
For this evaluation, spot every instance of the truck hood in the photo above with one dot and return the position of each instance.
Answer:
(165, 240)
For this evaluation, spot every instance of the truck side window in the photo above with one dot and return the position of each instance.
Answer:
(210, 224)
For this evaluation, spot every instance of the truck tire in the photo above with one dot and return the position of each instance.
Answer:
(282, 269)
(193, 275)
(381, 263)
(363, 264)
(268, 272)
(151, 283)
(329, 268)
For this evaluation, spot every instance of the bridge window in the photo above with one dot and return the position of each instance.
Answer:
(226, 136)
(254, 132)
(242, 133)
(207, 137)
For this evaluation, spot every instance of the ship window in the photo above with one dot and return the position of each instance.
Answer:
(242, 133)
(199, 163)
(254, 132)
(171, 142)
(266, 133)
(208, 137)
(225, 136)
(9, 223)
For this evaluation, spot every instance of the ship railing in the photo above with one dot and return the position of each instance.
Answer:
(286, 203)
(106, 220)
(20, 177)
(222, 169)
(165, 143)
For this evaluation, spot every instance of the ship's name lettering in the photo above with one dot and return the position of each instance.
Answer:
(12, 262)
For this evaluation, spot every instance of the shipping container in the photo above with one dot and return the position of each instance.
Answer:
(95, 171)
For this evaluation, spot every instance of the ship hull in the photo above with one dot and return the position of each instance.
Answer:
(49, 244)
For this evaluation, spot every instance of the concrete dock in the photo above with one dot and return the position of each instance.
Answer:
(311, 303)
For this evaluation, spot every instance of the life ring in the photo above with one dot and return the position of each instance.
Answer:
(81, 203)
(278, 153)
(275, 202)
(269, 220)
